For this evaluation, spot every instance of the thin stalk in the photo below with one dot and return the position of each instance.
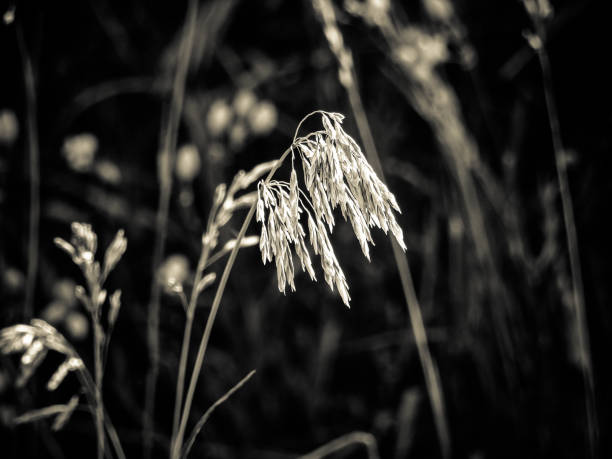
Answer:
(34, 172)
(203, 262)
(348, 79)
(582, 330)
(216, 257)
(190, 313)
(430, 371)
(364, 438)
(209, 412)
(197, 367)
(90, 392)
(98, 333)
(98, 338)
(166, 160)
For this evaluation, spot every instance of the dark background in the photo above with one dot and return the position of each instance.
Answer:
(322, 370)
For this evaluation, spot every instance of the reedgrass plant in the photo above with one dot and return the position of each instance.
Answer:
(334, 174)
(497, 301)
(35, 340)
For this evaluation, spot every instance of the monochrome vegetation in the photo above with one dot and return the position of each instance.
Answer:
(178, 237)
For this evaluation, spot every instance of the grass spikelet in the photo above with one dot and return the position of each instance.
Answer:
(335, 174)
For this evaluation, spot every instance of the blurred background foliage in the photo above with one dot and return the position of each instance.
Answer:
(460, 80)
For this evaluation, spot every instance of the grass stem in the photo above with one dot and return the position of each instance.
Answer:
(364, 438)
(196, 430)
(89, 387)
(175, 450)
(190, 313)
(348, 79)
(581, 325)
(166, 161)
(98, 340)
(430, 371)
(34, 172)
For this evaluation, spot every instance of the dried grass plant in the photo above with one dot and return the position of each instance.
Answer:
(334, 174)
(35, 340)
(486, 253)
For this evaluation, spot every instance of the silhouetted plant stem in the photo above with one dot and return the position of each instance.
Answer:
(364, 438)
(90, 392)
(582, 331)
(190, 313)
(196, 430)
(165, 164)
(33, 171)
(348, 79)
(430, 371)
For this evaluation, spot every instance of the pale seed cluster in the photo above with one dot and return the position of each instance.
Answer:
(33, 342)
(336, 174)
(82, 249)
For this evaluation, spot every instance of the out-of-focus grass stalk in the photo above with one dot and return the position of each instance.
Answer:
(417, 52)
(582, 331)
(364, 438)
(348, 79)
(165, 164)
(437, 103)
(176, 447)
(430, 371)
(34, 171)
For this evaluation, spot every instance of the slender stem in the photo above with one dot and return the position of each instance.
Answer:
(34, 172)
(166, 160)
(203, 262)
(190, 313)
(93, 284)
(90, 392)
(430, 371)
(297, 130)
(348, 79)
(216, 257)
(209, 411)
(365, 438)
(197, 367)
(582, 330)
(98, 342)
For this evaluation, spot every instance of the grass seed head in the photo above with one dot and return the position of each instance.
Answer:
(335, 174)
